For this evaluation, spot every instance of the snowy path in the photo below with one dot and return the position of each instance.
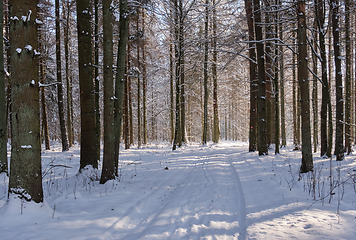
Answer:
(212, 192)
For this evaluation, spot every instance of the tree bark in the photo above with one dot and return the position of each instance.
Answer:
(25, 170)
(339, 126)
(3, 114)
(62, 121)
(96, 79)
(216, 127)
(88, 150)
(253, 77)
(120, 76)
(206, 52)
(307, 157)
(108, 170)
(66, 17)
(261, 114)
(348, 51)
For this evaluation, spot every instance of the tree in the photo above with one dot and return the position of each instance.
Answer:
(62, 121)
(320, 19)
(307, 158)
(120, 76)
(3, 114)
(108, 171)
(261, 104)
(216, 128)
(88, 151)
(25, 170)
(253, 78)
(206, 55)
(339, 126)
(348, 79)
(96, 78)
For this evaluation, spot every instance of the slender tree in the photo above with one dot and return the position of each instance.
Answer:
(108, 171)
(216, 128)
(206, 93)
(3, 114)
(348, 51)
(97, 79)
(88, 150)
(307, 158)
(120, 76)
(25, 170)
(261, 105)
(62, 121)
(253, 77)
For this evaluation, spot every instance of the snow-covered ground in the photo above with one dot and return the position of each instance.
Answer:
(197, 192)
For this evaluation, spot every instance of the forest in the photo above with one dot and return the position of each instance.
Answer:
(107, 79)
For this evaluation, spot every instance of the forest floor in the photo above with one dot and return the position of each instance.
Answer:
(218, 191)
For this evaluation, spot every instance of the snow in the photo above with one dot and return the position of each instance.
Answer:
(26, 146)
(18, 50)
(219, 191)
(28, 48)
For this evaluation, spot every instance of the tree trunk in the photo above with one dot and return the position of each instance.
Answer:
(144, 80)
(339, 137)
(66, 17)
(276, 86)
(261, 114)
(3, 114)
(182, 73)
(171, 85)
(315, 93)
(282, 89)
(206, 52)
(88, 150)
(348, 51)
(62, 121)
(108, 170)
(96, 79)
(177, 139)
(307, 157)
(120, 76)
(216, 128)
(253, 77)
(138, 82)
(25, 170)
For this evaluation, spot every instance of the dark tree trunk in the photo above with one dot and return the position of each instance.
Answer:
(348, 51)
(339, 126)
(216, 128)
(3, 114)
(108, 171)
(25, 170)
(62, 121)
(253, 77)
(66, 17)
(307, 157)
(261, 112)
(88, 150)
(206, 52)
(96, 79)
(120, 76)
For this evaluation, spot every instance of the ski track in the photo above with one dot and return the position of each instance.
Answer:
(203, 187)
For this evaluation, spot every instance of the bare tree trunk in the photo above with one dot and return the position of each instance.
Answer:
(171, 91)
(348, 79)
(307, 157)
(62, 121)
(216, 128)
(282, 90)
(108, 171)
(262, 123)
(96, 78)
(138, 83)
(315, 93)
(206, 50)
(66, 17)
(144, 81)
(88, 150)
(253, 77)
(120, 76)
(182, 73)
(276, 85)
(339, 146)
(3, 119)
(25, 170)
